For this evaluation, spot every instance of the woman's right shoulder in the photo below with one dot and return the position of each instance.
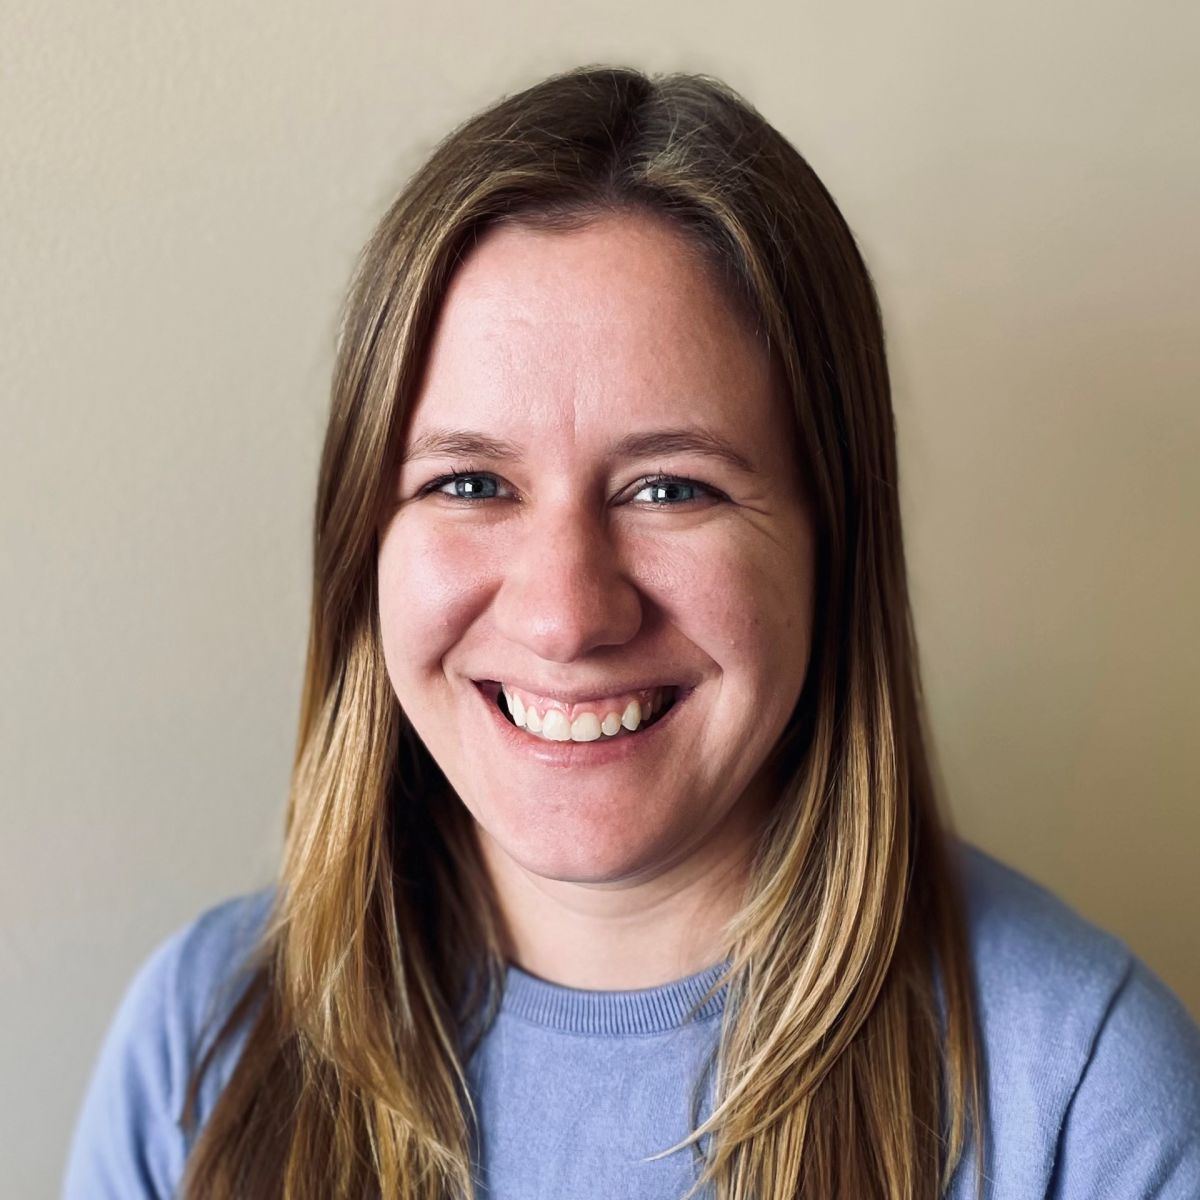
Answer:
(189, 983)
(127, 1140)
(198, 968)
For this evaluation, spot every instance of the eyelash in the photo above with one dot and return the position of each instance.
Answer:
(661, 477)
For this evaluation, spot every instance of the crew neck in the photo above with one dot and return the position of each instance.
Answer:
(640, 1010)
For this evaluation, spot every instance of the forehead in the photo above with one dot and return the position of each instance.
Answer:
(556, 335)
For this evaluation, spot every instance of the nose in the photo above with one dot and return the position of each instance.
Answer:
(565, 591)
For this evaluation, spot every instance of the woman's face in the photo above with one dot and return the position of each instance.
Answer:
(598, 512)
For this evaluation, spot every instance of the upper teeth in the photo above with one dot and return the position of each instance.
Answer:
(555, 725)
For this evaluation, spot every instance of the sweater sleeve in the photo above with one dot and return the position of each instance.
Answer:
(126, 1144)
(1131, 1130)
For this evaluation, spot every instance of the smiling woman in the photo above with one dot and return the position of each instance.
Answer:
(613, 860)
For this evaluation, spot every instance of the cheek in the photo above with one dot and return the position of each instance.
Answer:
(746, 601)
(432, 585)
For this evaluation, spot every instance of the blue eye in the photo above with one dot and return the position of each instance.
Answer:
(666, 491)
(467, 485)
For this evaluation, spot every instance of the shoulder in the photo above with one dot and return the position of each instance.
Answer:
(1092, 1064)
(1038, 963)
(127, 1140)
(199, 969)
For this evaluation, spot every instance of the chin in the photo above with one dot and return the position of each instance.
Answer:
(582, 858)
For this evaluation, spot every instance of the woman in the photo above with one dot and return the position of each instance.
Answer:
(613, 864)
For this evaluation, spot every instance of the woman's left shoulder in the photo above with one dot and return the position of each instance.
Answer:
(1093, 1063)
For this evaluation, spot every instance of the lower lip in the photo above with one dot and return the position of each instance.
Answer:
(598, 753)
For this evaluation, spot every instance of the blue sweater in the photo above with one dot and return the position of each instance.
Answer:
(1092, 1067)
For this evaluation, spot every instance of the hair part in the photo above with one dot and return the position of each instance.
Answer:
(848, 1060)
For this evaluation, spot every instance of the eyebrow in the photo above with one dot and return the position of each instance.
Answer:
(468, 443)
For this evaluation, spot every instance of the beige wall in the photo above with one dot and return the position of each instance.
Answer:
(183, 189)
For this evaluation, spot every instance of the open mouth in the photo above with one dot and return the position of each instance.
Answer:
(621, 719)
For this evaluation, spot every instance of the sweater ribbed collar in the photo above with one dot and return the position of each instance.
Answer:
(611, 1013)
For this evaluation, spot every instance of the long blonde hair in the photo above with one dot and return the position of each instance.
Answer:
(848, 1060)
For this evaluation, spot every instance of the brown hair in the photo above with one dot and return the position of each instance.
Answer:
(848, 1061)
